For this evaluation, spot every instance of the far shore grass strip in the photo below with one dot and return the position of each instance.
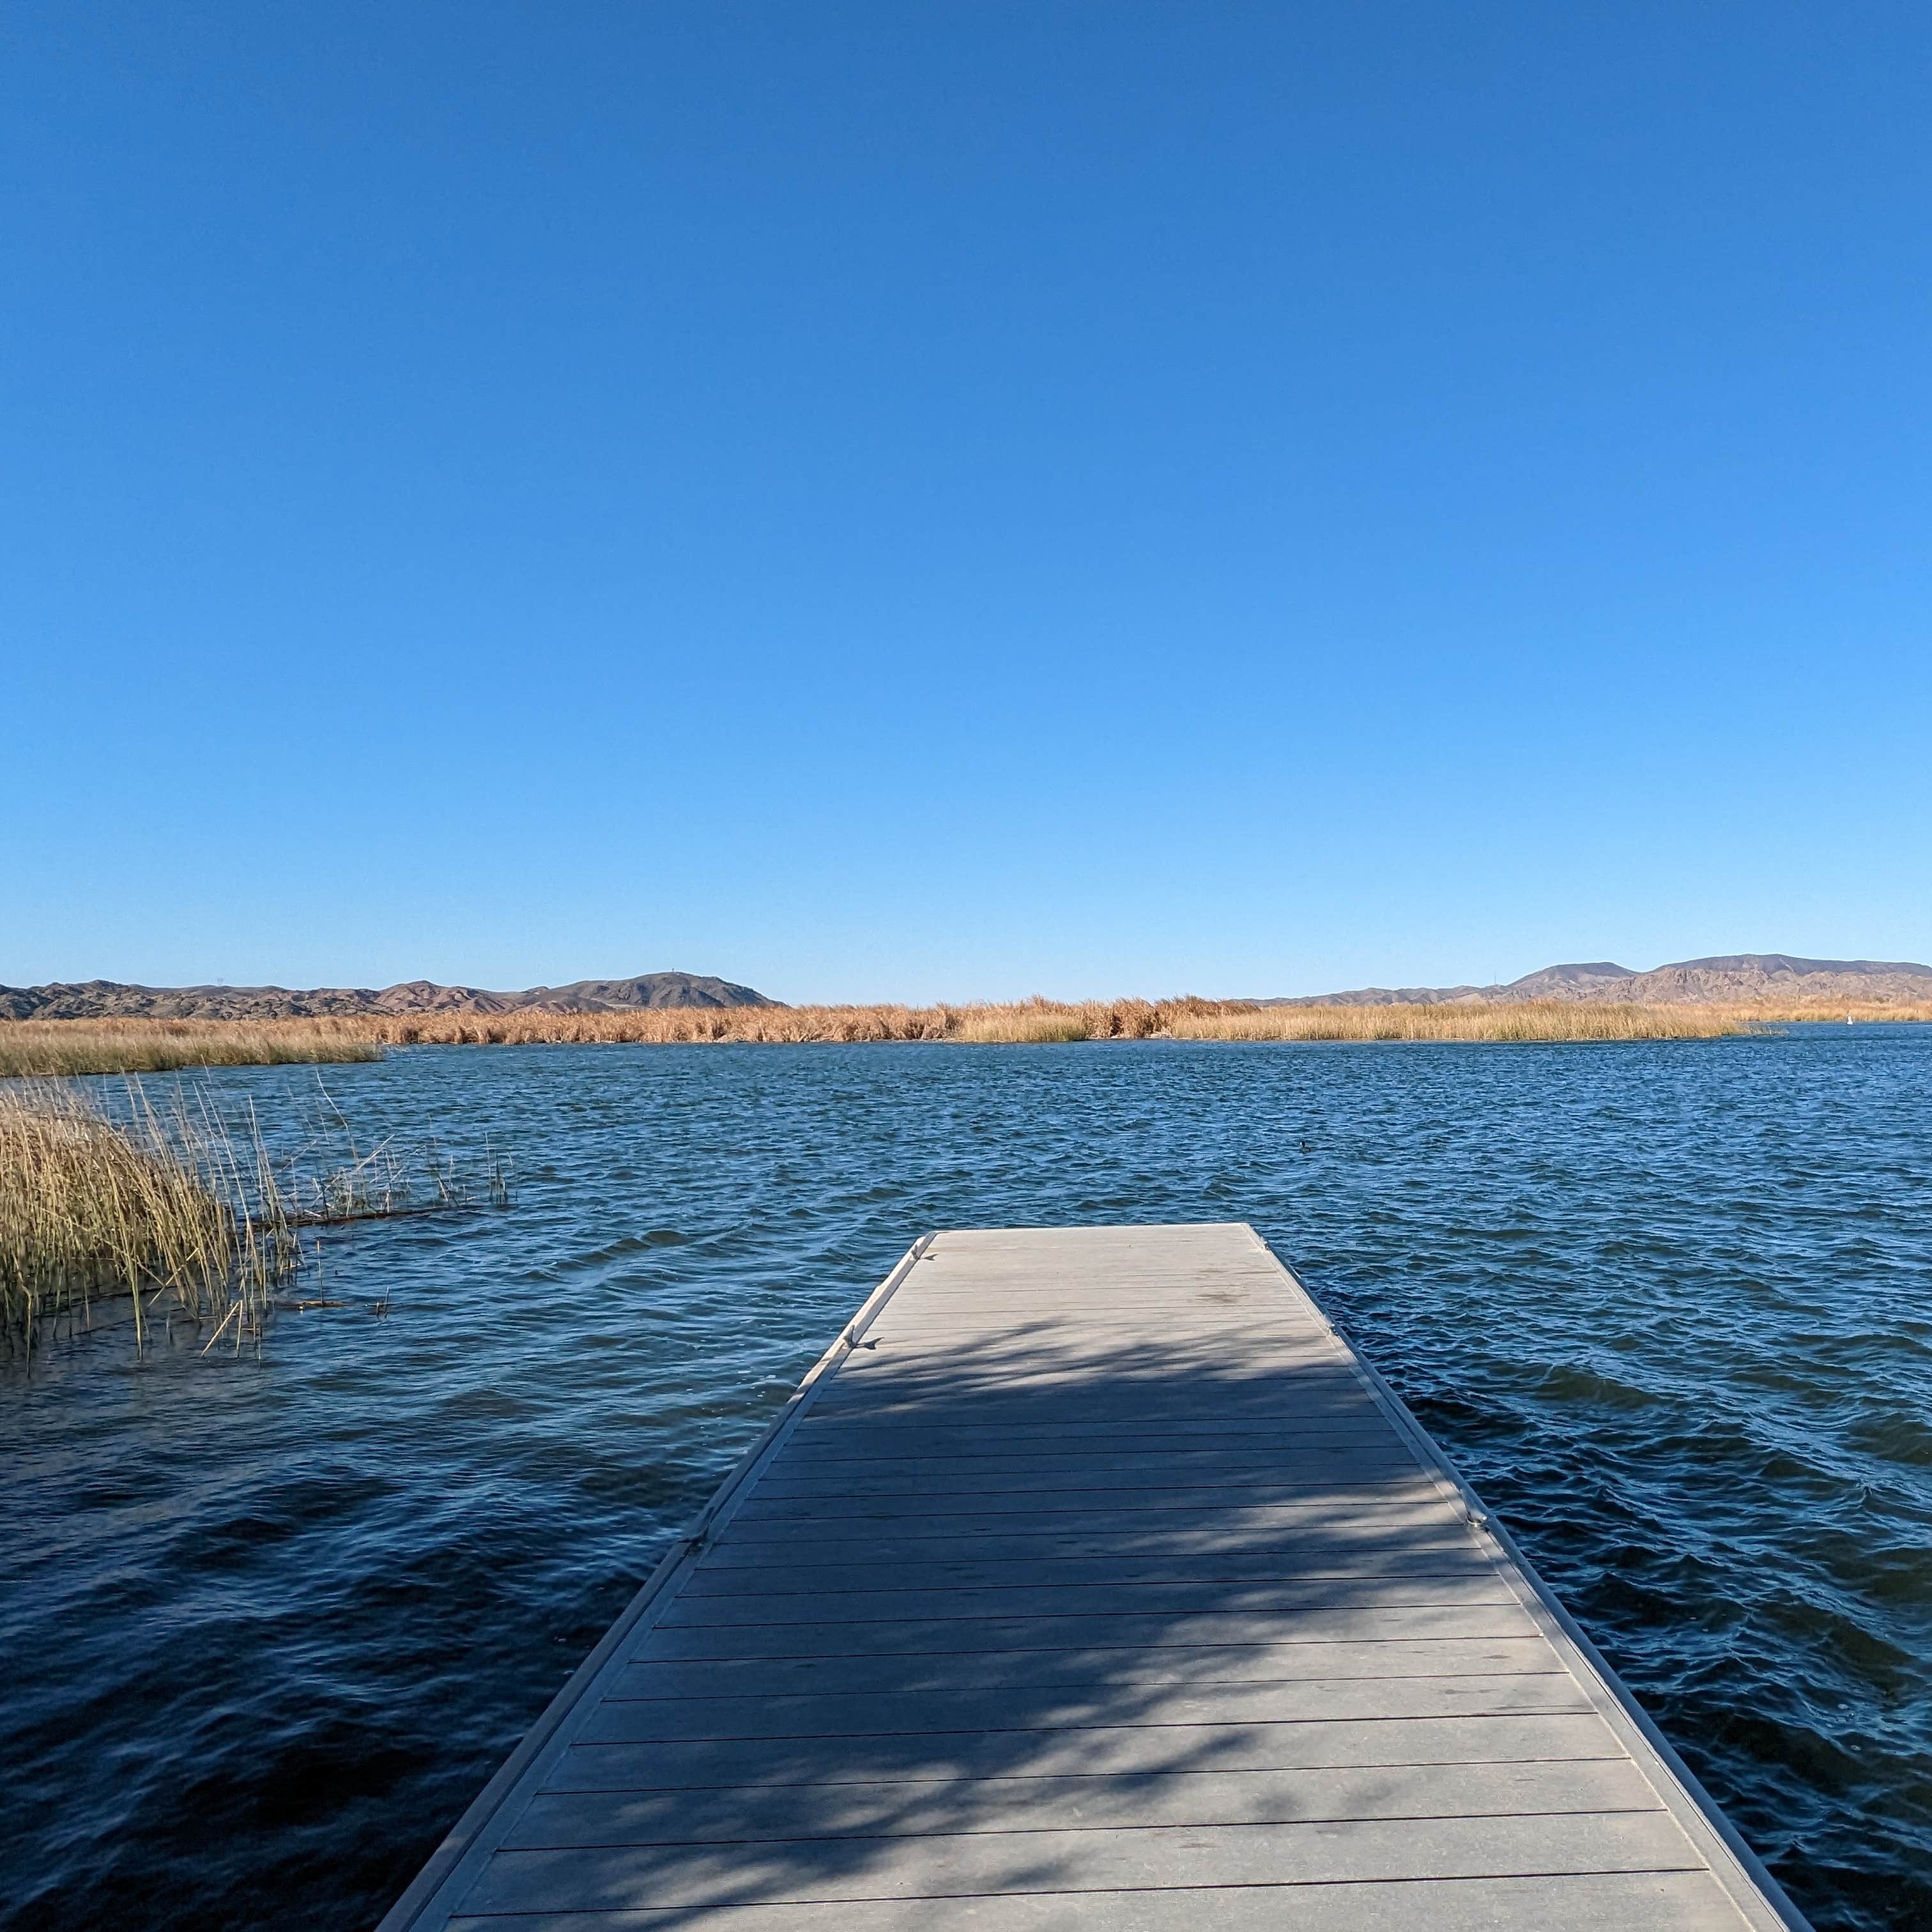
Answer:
(59, 1049)
(54, 1048)
(1043, 1021)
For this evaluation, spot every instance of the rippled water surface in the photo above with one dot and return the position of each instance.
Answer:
(268, 1624)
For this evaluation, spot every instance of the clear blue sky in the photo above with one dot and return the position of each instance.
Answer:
(962, 499)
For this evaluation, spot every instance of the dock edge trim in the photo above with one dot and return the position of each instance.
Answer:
(1703, 1810)
(469, 1833)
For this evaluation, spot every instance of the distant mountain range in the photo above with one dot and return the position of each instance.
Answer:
(105, 999)
(1728, 978)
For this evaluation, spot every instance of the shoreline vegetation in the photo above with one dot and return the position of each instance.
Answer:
(43, 1049)
(59, 1049)
(1041, 1021)
(169, 1205)
(190, 1214)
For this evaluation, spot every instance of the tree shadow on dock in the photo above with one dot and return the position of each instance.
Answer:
(1032, 1610)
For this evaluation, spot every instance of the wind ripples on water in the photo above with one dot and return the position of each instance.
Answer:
(271, 1624)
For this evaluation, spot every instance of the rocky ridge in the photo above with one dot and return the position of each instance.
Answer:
(108, 999)
(1724, 979)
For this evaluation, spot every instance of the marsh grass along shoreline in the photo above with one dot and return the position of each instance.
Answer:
(160, 1203)
(43, 1046)
(181, 1210)
(40, 1049)
(1041, 1021)
(59, 1049)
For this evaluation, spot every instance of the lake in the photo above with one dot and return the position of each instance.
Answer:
(272, 1620)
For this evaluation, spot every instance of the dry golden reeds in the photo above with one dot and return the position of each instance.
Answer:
(143, 1203)
(1828, 1011)
(53, 1049)
(1547, 1020)
(1039, 1021)
(171, 1203)
(46, 1046)
(1016, 1023)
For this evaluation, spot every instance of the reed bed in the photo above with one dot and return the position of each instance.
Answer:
(55, 1049)
(173, 1205)
(59, 1047)
(1020, 1021)
(1829, 1012)
(1552, 1020)
(1041, 1021)
(163, 1204)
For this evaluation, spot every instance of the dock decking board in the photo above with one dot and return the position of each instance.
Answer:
(1091, 1580)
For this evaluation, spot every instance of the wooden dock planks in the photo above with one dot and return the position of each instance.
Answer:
(1091, 1579)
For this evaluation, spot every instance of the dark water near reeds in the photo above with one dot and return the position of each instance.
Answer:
(268, 1624)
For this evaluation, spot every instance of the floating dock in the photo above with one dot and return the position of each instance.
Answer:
(1091, 1580)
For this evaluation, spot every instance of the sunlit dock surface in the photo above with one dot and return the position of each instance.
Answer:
(1091, 1579)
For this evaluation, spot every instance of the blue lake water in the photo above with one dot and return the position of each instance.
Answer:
(269, 1623)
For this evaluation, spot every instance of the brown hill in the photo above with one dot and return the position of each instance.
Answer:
(1725, 979)
(107, 999)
